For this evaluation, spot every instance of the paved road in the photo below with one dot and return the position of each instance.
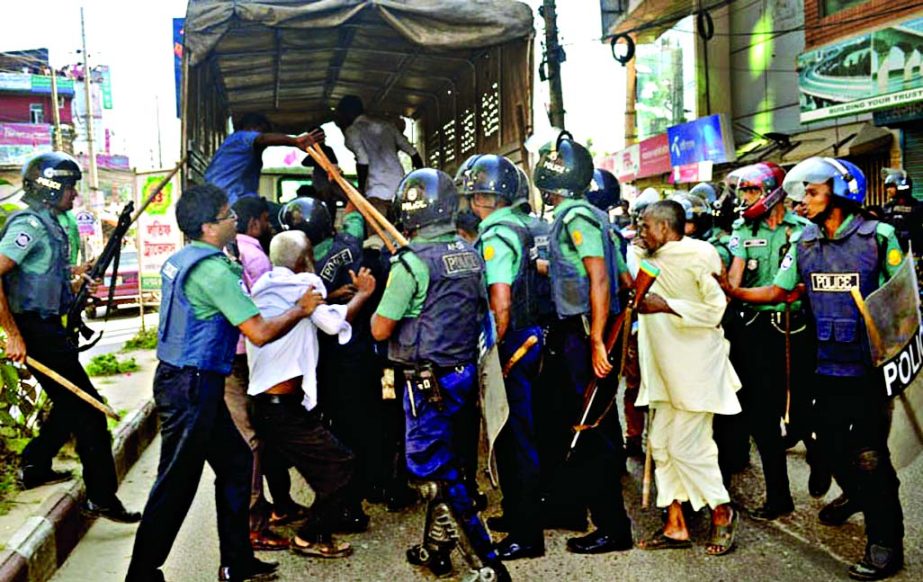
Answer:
(121, 327)
(797, 549)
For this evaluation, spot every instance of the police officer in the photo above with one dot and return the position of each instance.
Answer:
(903, 211)
(349, 377)
(203, 311)
(853, 409)
(700, 215)
(760, 240)
(490, 183)
(37, 290)
(584, 283)
(431, 312)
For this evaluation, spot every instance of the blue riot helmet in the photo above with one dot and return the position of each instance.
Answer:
(309, 215)
(524, 189)
(847, 180)
(426, 197)
(564, 168)
(897, 179)
(45, 176)
(705, 191)
(645, 199)
(698, 212)
(604, 191)
(463, 167)
(488, 174)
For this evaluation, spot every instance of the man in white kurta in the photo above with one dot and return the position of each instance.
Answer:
(686, 376)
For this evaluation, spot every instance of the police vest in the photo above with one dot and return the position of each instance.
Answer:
(830, 268)
(183, 339)
(569, 287)
(47, 294)
(446, 331)
(904, 217)
(345, 254)
(523, 291)
(541, 237)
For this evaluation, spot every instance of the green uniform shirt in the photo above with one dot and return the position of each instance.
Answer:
(788, 276)
(28, 244)
(68, 222)
(762, 251)
(721, 241)
(581, 237)
(621, 265)
(353, 224)
(501, 248)
(215, 286)
(406, 289)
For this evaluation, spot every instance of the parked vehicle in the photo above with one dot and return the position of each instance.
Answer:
(127, 283)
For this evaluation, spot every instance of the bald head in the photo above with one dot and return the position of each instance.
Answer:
(292, 249)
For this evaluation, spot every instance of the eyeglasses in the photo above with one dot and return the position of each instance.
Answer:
(231, 215)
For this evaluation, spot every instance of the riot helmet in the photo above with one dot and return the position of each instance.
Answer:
(604, 191)
(705, 191)
(897, 179)
(426, 197)
(645, 199)
(847, 180)
(45, 176)
(766, 177)
(488, 174)
(564, 168)
(523, 191)
(698, 212)
(308, 215)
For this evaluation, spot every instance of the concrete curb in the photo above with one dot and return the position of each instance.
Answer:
(38, 548)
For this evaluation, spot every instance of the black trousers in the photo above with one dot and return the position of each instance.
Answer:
(47, 343)
(763, 397)
(195, 428)
(590, 479)
(854, 418)
(299, 438)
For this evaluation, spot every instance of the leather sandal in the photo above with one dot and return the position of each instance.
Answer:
(660, 541)
(722, 536)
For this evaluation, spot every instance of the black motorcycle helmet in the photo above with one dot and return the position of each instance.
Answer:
(900, 180)
(45, 176)
(604, 192)
(488, 174)
(426, 197)
(564, 168)
(308, 215)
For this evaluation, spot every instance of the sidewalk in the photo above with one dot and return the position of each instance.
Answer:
(44, 524)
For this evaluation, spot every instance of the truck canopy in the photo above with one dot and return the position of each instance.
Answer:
(461, 69)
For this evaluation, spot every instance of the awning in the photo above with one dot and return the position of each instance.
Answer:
(854, 139)
(651, 18)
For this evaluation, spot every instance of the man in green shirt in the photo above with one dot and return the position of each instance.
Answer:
(37, 291)
(761, 238)
(584, 283)
(842, 250)
(203, 311)
(490, 183)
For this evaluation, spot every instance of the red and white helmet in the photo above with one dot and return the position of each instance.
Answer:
(767, 177)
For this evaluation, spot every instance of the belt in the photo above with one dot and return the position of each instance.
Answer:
(294, 398)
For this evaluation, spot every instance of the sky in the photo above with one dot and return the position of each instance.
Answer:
(134, 38)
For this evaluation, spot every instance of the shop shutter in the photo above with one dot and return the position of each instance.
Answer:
(913, 158)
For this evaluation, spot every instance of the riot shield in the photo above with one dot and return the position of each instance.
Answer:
(892, 316)
(495, 409)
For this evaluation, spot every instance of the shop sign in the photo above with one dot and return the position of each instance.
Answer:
(654, 156)
(704, 140)
(873, 71)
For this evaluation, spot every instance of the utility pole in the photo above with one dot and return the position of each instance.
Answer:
(55, 112)
(159, 146)
(551, 69)
(91, 151)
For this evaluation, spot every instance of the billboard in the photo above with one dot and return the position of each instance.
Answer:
(178, 61)
(703, 140)
(21, 141)
(158, 233)
(872, 71)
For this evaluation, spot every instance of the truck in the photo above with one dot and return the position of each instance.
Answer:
(460, 72)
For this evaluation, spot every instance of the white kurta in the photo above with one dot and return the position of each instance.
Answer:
(684, 359)
(686, 376)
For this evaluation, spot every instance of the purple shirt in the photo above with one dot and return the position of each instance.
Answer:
(255, 263)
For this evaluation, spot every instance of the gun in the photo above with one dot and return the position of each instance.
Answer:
(76, 327)
(647, 274)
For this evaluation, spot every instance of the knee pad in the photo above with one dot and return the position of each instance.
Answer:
(868, 460)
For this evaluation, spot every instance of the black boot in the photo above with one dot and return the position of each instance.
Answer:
(437, 560)
(879, 562)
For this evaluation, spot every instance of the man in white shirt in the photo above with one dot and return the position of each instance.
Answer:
(283, 384)
(686, 377)
(375, 143)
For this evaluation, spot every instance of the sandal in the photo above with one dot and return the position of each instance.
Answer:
(298, 512)
(660, 541)
(722, 536)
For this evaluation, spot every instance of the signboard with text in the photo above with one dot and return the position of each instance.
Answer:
(654, 156)
(706, 139)
(876, 70)
(158, 233)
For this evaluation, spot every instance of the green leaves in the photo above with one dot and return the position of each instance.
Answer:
(110, 365)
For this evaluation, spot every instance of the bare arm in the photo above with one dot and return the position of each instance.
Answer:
(301, 142)
(736, 272)
(599, 312)
(382, 327)
(500, 301)
(769, 294)
(261, 331)
(15, 346)
(364, 283)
